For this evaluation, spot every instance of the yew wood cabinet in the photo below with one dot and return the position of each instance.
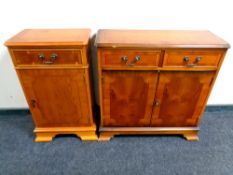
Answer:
(155, 82)
(53, 68)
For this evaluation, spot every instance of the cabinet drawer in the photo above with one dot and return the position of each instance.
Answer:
(129, 58)
(47, 56)
(191, 58)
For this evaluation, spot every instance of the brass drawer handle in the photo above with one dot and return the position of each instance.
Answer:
(197, 60)
(41, 56)
(53, 57)
(125, 60)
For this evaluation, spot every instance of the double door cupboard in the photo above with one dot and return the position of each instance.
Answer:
(155, 82)
(53, 69)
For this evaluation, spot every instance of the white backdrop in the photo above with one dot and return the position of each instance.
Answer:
(212, 15)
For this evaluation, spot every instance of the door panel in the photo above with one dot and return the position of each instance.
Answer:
(57, 98)
(127, 97)
(181, 97)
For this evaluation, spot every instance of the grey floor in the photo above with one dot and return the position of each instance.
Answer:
(165, 155)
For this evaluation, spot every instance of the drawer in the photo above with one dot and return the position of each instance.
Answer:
(130, 58)
(191, 58)
(47, 56)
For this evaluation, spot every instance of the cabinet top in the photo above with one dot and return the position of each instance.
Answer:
(50, 37)
(159, 39)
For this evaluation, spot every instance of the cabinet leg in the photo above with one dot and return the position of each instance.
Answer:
(105, 136)
(90, 135)
(192, 136)
(44, 137)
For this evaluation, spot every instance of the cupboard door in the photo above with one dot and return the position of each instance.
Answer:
(180, 98)
(127, 97)
(56, 97)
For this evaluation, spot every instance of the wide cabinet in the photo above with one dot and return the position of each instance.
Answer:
(152, 84)
(53, 68)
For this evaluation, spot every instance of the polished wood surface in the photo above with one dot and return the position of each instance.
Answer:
(180, 97)
(31, 57)
(113, 57)
(57, 98)
(50, 37)
(208, 58)
(57, 91)
(189, 133)
(159, 39)
(128, 97)
(187, 65)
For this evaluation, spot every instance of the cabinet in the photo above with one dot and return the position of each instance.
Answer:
(52, 66)
(155, 82)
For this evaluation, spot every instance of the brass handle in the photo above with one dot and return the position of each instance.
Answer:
(53, 57)
(137, 58)
(125, 60)
(41, 56)
(197, 60)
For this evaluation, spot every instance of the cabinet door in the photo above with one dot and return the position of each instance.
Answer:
(127, 97)
(56, 97)
(180, 98)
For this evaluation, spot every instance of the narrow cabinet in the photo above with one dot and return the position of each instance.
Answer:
(155, 82)
(53, 69)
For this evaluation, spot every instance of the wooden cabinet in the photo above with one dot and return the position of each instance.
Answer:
(53, 70)
(155, 82)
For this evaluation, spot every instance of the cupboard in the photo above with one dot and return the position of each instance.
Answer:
(53, 69)
(155, 82)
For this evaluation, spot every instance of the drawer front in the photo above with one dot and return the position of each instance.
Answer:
(130, 58)
(191, 58)
(47, 56)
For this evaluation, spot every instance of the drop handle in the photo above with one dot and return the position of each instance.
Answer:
(53, 57)
(41, 56)
(125, 60)
(137, 58)
(197, 60)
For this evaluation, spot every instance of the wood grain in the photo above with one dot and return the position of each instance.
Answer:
(209, 58)
(181, 90)
(31, 56)
(181, 96)
(50, 37)
(113, 57)
(58, 94)
(159, 39)
(128, 97)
